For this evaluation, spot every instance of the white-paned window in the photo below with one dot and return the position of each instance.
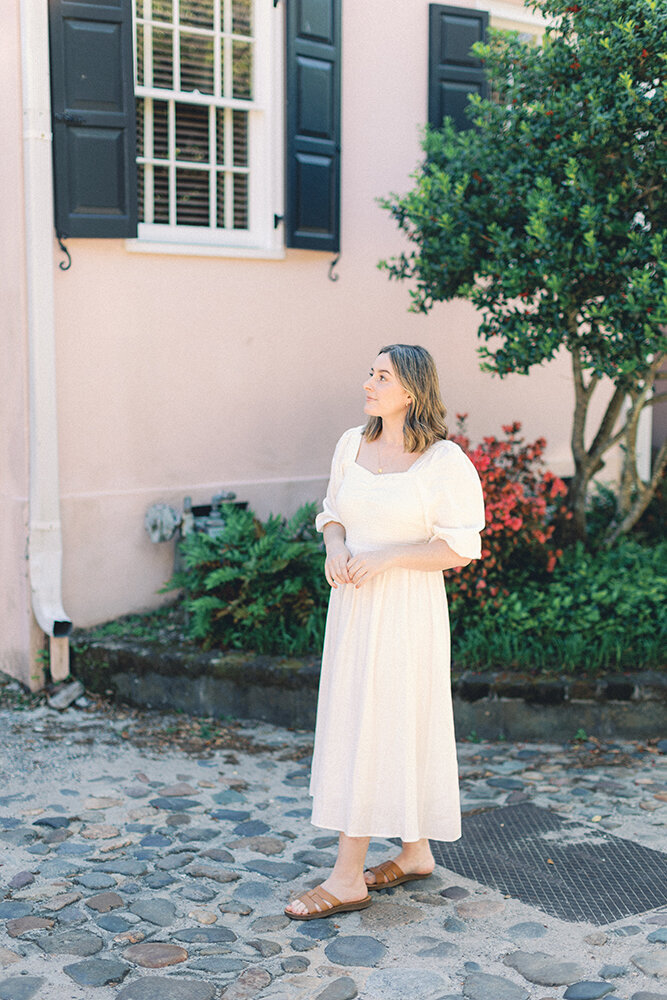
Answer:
(207, 95)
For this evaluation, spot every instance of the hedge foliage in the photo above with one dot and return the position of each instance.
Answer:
(260, 586)
(600, 611)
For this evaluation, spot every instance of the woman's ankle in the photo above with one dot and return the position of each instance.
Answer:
(418, 854)
(348, 879)
(416, 847)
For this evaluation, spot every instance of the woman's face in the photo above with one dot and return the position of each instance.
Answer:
(385, 396)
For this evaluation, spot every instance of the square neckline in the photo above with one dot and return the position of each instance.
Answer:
(381, 475)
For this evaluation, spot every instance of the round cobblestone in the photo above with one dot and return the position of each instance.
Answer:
(161, 988)
(355, 949)
(97, 971)
(20, 988)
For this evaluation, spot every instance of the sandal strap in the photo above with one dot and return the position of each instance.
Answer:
(324, 896)
(386, 869)
(318, 899)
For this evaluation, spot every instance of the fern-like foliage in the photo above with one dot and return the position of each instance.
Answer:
(258, 585)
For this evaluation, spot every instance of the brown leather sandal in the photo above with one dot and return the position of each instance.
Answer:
(388, 874)
(328, 905)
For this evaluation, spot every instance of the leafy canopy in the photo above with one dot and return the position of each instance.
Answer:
(550, 215)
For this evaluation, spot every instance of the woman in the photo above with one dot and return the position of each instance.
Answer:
(403, 504)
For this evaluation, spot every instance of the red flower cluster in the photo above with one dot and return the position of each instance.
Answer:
(523, 501)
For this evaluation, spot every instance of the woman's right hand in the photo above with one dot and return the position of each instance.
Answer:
(335, 565)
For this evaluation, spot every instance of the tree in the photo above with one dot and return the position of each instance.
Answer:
(549, 215)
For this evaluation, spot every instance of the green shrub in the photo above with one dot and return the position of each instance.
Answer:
(652, 525)
(603, 610)
(256, 585)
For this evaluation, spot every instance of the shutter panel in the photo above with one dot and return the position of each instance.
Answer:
(313, 124)
(94, 130)
(454, 72)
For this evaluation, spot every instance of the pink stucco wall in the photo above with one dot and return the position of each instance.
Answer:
(181, 374)
(20, 638)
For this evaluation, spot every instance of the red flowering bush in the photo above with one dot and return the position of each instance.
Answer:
(523, 506)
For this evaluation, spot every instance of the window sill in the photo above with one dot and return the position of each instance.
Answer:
(204, 250)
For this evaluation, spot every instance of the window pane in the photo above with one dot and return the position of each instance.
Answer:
(196, 63)
(240, 201)
(240, 138)
(220, 211)
(176, 133)
(161, 195)
(241, 17)
(192, 197)
(163, 58)
(191, 133)
(197, 12)
(220, 135)
(140, 55)
(140, 126)
(160, 130)
(242, 72)
(162, 10)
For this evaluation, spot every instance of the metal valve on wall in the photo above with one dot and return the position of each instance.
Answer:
(162, 521)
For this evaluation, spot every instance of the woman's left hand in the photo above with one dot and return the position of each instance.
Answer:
(365, 566)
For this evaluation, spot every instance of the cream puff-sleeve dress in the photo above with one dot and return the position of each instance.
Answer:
(384, 761)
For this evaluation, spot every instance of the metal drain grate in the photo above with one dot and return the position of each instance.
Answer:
(594, 876)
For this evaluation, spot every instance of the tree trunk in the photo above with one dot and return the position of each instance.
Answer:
(588, 461)
(634, 495)
(623, 526)
(585, 464)
(579, 482)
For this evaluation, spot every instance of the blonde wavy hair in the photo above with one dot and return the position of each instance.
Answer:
(425, 418)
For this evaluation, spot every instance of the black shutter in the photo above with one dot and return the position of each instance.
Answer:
(312, 210)
(454, 72)
(94, 130)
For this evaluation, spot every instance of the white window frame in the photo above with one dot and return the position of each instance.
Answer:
(263, 238)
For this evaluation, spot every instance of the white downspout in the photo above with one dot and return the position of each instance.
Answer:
(45, 535)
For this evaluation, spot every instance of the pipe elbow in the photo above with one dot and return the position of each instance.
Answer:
(52, 620)
(45, 572)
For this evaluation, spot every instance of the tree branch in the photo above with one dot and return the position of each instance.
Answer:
(616, 529)
(582, 394)
(656, 399)
(599, 445)
(649, 382)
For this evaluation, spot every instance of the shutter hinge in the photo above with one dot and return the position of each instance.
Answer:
(277, 219)
(275, 3)
(332, 276)
(64, 265)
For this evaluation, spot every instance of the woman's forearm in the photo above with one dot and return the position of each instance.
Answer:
(334, 535)
(431, 556)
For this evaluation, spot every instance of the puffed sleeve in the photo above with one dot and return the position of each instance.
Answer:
(344, 452)
(456, 508)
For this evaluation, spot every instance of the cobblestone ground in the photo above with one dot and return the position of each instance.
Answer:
(150, 858)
